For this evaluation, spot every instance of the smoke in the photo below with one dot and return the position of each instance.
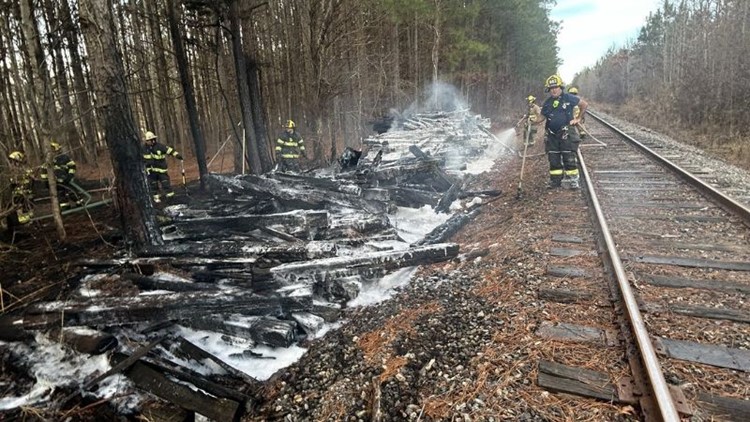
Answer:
(436, 97)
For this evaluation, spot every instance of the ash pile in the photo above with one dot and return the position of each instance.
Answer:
(249, 273)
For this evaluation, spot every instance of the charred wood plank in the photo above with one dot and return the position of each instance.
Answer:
(401, 172)
(205, 276)
(279, 234)
(341, 289)
(194, 350)
(309, 322)
(197, 379)
(354, 225)
(85, 340)
(450, 227)
(390, 260)
(318, 182)
(310, 199)
(489, 192)
(155, 283)
(412, 197)
(308, 220)
(12, 328)
(147, 266)
(444, 182)
(117, 368)
(283, 253)
(274, 332)
(448, 197)
(153, 381)
(173, 306)
(220, 324)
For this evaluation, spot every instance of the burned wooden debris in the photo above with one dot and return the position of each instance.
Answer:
(266, 261)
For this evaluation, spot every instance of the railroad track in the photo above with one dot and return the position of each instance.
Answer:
(675, 240)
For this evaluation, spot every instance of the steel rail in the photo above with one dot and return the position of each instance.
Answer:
(664, 400)
(726, 202)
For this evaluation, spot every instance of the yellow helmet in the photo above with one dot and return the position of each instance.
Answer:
(573, 90)
(553, 82)
(150, 135)
(531, 99)
(55, 146)
(290, 124)
(16, 156)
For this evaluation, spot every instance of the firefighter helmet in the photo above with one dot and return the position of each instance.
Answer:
(290, 124)
(553, 81)
(16, 156)
(150, 135)
(573, 90)
(531, 99)
(55, 146)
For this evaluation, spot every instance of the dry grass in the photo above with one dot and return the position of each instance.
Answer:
(376, 344)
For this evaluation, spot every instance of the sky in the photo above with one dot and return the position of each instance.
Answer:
(590, 27)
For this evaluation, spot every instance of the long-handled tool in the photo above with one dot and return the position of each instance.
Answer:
(527, 135)
(184, 182)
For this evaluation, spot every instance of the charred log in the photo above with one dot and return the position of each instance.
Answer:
(444, 231)
(448, 197)
(85, 340)
(295, 198)
(176, 306)
(217, 226)
(412, 197)
(153, 381)
(285, 253)
(155, 283)
(391, 260)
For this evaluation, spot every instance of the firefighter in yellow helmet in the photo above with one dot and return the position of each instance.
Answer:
(155, 157)
(289, 147)
(561, 137)
(533, 115)
(65, 170)
(21, 179)
(582, 132)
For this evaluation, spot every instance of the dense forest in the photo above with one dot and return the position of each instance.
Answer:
(201, 73)
(96, 75)
(685, 74)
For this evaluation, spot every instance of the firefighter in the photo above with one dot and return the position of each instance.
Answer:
(561, 138)
(289, 147)
(65, 170)
(532, 113)
(155, 156)
(21, 179)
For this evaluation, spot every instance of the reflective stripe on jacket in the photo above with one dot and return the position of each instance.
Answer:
(289, 145)
(155, 157)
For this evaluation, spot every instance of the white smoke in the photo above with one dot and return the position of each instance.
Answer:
(436, 97)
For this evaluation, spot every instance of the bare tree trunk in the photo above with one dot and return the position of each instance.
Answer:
(41, 91)
(187, 86)
(90, 140)
(240, 67)
(133, 199)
